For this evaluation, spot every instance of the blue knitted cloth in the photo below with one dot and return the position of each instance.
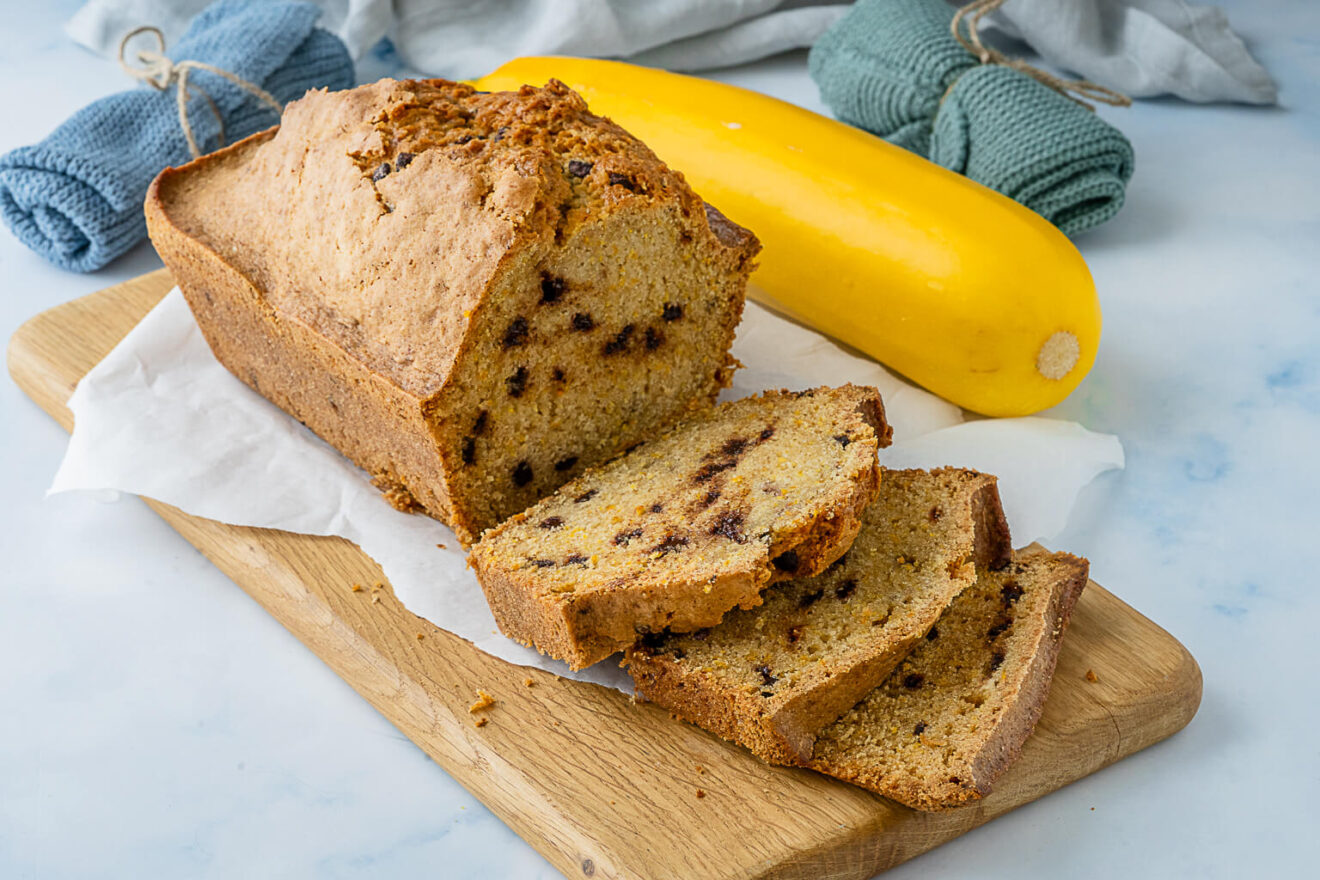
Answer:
(893, 68)
(76, 197)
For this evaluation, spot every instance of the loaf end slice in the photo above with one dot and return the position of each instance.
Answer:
(687, 526)
(955, 714)
(772, 677)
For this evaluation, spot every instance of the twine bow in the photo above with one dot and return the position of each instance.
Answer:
(160, 72)
(1076, 90)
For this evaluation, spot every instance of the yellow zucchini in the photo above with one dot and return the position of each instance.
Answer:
(957, 287)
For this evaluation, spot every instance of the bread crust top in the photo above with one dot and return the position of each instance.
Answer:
(381, 215)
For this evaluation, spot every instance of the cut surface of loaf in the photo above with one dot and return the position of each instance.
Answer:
(473, 296)
(956, 712)
(770, 678)
(687, 526)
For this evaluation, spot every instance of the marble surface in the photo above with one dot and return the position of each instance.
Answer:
(154, 721)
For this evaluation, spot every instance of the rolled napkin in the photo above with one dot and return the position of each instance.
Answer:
(76, 197)
(894, 68)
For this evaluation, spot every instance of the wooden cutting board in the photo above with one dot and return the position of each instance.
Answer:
(601, 786)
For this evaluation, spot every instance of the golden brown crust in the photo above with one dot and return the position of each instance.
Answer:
(693, 677)
(366, 264)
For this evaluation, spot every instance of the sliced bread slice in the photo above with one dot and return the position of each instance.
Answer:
(772, 677)
(688, 525)
(956, 712)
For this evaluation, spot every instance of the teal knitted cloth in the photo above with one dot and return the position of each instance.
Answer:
(886, 67)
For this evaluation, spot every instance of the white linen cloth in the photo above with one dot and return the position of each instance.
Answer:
(160, 417)
(1142, 48)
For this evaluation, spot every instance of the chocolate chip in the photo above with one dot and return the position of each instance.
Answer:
(557, 375)
(729, 525)
(565, 463)
(464, 139)
(402, 160)
(810, 599)
(621, 340)
(578, 168)
(767, 693)
(845, 589)
(499, 134)
(542, 563)
(794, 634)
(734, 446)
(576, 559)
(766, 677)
(919, 729)
(583, 322)
(516, 334)
(1011, 592)
(654, 339)
(766, 434)
(382, 171)
(708, 471)
(935, 513)
(787, 561)
(517, 383)
(657, 507)
(672, 312)
(933, 633)
(670, 544)
(913, 681)
(843, 440)
(522, 474)
(479, 424)
(585, 496)
(708, 499)
(469, 450)
(623, 180)
(551, 522)
(552, 288)
(622, 538)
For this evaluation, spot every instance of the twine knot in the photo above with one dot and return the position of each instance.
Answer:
(1077, 90)
(159, 71)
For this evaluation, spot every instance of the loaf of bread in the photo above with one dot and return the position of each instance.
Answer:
(687, 526)
(772, 677)
(956, 712)
(473, 296)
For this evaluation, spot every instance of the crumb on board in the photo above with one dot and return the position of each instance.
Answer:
(421, 636)
(375, 600)
(482, 721)
(1091, 676)
(440, 546)
(701, 769)
(701, 792)
(528, 681)
(357, 588)
(484, 702)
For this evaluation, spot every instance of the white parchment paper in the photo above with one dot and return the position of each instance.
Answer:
(160, 417)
